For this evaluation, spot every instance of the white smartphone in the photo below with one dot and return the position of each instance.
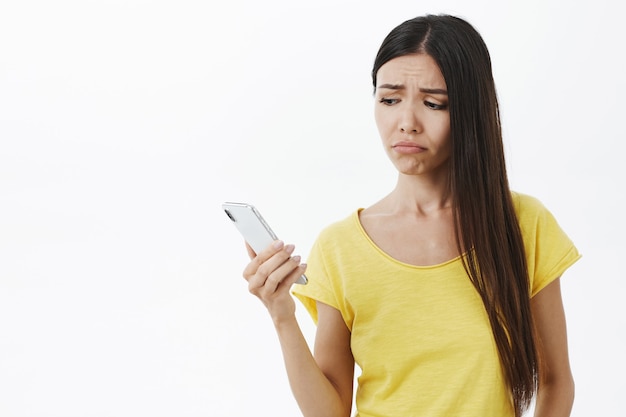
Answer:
(253, 228)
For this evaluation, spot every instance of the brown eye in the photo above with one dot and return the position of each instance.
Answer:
(388, 101)
(435, 106)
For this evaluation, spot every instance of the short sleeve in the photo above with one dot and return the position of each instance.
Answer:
(319, 287)
(549, 251)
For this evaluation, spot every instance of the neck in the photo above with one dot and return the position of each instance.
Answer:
(421, 194)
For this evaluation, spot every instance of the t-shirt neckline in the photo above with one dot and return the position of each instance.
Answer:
(371, 243)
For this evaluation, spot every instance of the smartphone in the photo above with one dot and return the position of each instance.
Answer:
(253, 228)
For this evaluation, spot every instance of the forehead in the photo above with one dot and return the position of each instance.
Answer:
(419, 69)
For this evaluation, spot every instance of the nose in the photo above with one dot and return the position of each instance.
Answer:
(409, 121)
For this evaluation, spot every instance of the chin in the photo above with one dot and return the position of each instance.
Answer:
(408, 169)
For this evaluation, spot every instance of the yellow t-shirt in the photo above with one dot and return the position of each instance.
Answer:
(420, 334)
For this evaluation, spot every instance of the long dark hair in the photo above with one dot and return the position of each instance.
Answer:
(485, 219)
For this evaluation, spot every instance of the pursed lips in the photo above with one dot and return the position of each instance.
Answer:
(407, 147)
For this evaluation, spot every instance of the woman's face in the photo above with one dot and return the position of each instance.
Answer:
(412, 115)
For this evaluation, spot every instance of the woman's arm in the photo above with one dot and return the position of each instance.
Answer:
(556, 384)
(322, 385)
(333, 353)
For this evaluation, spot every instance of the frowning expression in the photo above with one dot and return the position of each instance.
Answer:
(412, 115)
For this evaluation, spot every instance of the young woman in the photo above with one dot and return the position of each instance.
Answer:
(446, 292)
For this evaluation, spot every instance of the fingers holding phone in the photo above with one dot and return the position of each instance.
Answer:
(254, 229)
(270, 274)
(272, 267)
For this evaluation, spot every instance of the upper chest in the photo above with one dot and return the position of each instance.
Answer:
(414, 240)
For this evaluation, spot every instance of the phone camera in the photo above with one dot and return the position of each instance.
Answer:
(230, 216)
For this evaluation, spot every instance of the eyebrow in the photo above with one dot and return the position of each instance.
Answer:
(423, 90)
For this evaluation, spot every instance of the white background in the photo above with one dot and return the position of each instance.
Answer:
(124, 124)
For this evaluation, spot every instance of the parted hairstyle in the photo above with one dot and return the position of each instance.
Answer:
(485, 219)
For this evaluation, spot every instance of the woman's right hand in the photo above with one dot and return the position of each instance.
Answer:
(270, 275)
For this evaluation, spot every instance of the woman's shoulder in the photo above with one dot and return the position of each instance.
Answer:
(355, 223)
(347, 224)
(527, 205)
(531, 212)
(338, 235)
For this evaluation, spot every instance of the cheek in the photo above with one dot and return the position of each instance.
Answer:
(382, 121)
(443, 132)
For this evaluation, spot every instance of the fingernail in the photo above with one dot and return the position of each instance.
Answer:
(278, 244)
(303, 266)
(296, 258)
(289, 248)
